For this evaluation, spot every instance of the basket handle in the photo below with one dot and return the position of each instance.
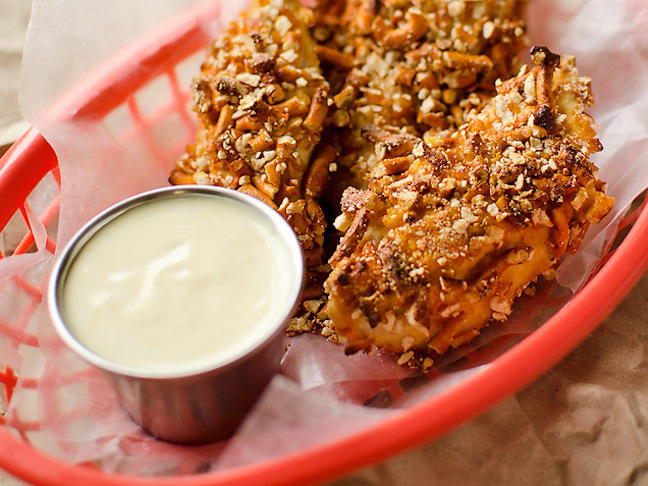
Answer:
(21, 169)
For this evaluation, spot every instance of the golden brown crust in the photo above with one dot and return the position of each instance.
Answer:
(452, 235)
(415, 66)
(261, 101)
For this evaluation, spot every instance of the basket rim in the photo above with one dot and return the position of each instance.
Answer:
(428, 420)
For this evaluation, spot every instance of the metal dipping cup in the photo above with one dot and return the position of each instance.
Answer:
(207, 404)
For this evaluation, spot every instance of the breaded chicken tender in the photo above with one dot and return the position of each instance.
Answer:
(261, 101)
(413, 66)
(454, 228)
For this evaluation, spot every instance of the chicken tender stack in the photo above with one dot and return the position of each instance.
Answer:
(451, 231)
(458, 191)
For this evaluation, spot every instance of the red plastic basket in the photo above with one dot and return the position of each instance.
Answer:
(115, 85)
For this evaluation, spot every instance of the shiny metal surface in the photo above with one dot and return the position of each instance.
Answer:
(208, 404)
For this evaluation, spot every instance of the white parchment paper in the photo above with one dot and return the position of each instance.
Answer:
(78, 416)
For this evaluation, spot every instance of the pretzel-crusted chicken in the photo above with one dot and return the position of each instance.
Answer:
(419, 66)
(261, 101)
(457, 190)
(451, 231)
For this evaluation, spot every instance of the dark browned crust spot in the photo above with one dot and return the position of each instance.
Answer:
(343, 279)
(355, 347)
(261, 63)
(545, 118)
(373, 317)
(226, 85)
(257, 38)
(542, 56)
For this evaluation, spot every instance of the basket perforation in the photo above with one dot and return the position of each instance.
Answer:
(18, 335)
(9, 240)
(140, 131)
(47, 218)
(171, 116)
(26, 243)
(21, 426)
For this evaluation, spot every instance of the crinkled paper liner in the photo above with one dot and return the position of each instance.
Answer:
(67, 409)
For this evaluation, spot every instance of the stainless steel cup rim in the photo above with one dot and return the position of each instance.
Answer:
(66, 258)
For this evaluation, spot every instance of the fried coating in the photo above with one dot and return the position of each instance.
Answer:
(411, 66)
(453, 229)
(460, 190)
(261, 101)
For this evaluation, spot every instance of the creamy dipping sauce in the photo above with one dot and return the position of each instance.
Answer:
(179, 283)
